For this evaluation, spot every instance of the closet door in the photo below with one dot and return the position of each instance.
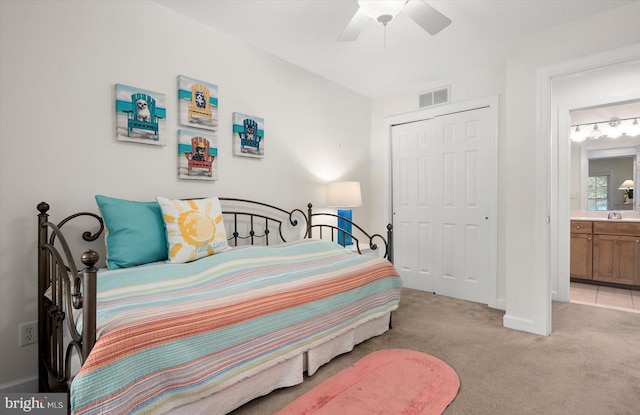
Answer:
(441, 204)
(413, 207)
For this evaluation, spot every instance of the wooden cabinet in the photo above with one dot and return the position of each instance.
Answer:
(616, 252)
(581, 249)
(606, 251)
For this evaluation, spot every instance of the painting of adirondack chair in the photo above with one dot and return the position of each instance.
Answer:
(140, 115)
(143, 116)
(249, 135)
(198, 103)
(200, 106)
(199, 157)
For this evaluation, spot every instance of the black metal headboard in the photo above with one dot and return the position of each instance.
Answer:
(255, 223)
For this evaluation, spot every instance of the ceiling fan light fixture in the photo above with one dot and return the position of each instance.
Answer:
(382, 10)
(384, 18)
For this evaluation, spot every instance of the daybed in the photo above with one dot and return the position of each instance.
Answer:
(209, 329)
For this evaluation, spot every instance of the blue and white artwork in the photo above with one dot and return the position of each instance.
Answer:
(248, 135)
(197, 155)
(197, 103)
(140, 115)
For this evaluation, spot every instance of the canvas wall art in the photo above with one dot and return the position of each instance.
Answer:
(248, 135)
(197, 103)
(140, 115)
(197, 155)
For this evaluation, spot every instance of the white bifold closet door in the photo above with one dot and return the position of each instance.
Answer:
(441, 195)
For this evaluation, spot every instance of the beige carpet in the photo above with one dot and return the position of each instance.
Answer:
(590, 365)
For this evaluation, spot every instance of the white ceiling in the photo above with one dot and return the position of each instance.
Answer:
(304, 33)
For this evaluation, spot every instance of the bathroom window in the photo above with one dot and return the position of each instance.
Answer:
(598, 192)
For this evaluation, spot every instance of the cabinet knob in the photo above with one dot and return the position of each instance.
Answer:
(638, 241)
(577, 226)
(589, 238)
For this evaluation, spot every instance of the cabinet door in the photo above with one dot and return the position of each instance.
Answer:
(581, 254)
(616, 259)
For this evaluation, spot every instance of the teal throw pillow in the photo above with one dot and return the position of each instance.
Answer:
(134, 232)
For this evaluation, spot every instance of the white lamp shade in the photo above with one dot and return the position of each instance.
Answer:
(627, 184)
(377, 8)
(344, 194)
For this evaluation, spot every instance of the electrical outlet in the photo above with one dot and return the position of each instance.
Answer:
(28, 333)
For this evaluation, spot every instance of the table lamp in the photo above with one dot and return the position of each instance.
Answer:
(627, 186)
(344, 195)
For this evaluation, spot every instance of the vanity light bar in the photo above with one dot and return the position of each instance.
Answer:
(613, 128)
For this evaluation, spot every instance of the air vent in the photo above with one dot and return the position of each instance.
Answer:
(434, 97)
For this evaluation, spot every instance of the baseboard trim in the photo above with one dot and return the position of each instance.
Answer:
(25, 385)
(522, 324)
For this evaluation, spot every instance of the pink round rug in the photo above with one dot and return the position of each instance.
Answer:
(392, 382)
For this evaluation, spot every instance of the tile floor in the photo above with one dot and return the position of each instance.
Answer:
(607, 297)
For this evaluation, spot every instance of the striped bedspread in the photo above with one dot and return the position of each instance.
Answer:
(169, 334)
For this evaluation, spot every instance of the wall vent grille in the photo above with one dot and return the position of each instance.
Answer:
(434, 97)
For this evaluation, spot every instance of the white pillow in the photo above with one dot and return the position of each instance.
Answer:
(195, 228)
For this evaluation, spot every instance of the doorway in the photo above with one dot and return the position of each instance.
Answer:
(554, 123)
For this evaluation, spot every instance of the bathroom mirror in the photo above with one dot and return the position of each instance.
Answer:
(606, 175)
(601, 168)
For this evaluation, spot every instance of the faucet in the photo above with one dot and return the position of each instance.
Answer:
(614, 215)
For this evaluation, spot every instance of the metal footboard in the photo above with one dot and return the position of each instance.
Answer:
(360, 237)
(62, 289)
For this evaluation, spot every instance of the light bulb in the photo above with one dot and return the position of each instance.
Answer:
(577, 135)
(614, 129)
(595, 133)
(634, 129)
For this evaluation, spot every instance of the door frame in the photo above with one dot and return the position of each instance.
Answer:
(552, 207)
(491, 102)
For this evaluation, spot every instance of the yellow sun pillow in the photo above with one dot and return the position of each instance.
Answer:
(195, 228)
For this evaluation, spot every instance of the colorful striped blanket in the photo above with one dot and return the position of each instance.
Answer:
(169, 334)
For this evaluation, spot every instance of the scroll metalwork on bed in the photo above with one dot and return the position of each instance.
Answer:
(326, 226)
(255, 223)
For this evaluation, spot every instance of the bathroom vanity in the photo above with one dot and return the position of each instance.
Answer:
(606, 250)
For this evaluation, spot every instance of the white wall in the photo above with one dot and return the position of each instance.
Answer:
(59, 63)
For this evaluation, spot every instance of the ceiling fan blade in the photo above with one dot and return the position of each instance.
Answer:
(354, 27)
(426, 16)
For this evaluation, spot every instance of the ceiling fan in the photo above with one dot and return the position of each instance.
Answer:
(420, 12)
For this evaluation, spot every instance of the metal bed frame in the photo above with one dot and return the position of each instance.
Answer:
(62, 286)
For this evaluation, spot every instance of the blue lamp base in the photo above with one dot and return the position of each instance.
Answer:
(344, 238)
